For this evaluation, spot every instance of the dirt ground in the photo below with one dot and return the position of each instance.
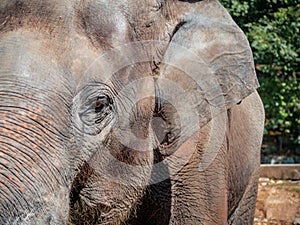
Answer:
(278, 202)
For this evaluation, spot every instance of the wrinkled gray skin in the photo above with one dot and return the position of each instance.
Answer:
(59, 116)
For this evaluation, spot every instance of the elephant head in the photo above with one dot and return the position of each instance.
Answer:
(80, 82)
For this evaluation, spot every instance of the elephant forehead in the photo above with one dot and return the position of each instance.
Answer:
(28, 56)
(61, 13)
(102, 21)
(44, 15)
(76, 32)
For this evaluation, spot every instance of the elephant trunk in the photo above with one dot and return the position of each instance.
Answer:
(34, 131)
(33, 156)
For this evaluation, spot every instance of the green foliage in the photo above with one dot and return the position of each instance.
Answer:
(272, 27)
(297, 190)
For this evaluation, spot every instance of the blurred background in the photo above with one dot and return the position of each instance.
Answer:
(273, 28)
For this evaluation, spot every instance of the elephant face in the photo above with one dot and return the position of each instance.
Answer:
(78, 84)
(60, 112)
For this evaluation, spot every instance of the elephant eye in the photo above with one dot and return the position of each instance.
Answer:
(98, 106)
(93, 108)
(101, 103)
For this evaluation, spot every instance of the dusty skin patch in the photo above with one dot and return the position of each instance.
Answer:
(278, 202)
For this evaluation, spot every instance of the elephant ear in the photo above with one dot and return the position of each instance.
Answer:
(207, 68)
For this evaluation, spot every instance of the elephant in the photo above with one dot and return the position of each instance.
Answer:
(126, 112)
